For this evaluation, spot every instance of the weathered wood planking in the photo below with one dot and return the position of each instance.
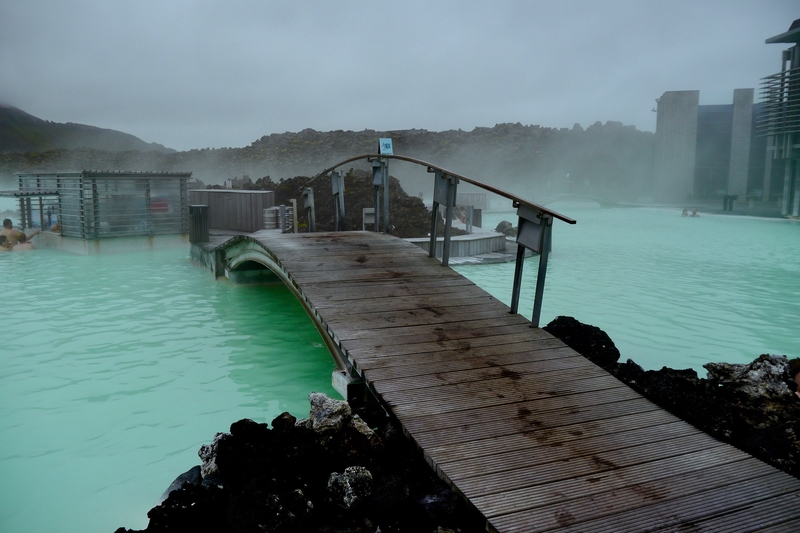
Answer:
(535, 436)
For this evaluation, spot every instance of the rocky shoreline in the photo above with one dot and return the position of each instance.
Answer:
(336, 471)
(350, 469)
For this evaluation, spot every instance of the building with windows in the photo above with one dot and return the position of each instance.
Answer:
(779, 123)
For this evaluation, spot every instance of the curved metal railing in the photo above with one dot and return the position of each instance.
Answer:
(534, 229)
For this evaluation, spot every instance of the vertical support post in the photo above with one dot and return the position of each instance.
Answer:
(547, 221)
(41, 214)
(337, 187)
(184, 188)
(148, 208)
(434, 224)
(444, 192)
(517, 285)
(385, 185)
(198, 227)
(470, 213)
(448, 224)
(293, 201)
(95, 209)
(377, 181)
(82, 209)
(308, 205)
(535, 233)
(282, 215)
(25, 213)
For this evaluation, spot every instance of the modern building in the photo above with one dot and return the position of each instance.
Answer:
(779, 123)
(707, 153)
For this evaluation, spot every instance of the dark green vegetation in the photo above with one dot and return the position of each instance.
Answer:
(21, 132)
(608, 160)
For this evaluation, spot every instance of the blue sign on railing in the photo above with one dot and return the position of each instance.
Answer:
(385, 147)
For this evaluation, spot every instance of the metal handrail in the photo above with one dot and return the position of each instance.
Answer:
(534, 230)
(514, 198)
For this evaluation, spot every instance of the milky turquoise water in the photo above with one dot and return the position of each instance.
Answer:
(115, 369)
(669, 290)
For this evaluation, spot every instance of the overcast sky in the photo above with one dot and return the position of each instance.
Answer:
(196, 74)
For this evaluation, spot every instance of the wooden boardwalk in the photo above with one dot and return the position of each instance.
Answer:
(535, 436)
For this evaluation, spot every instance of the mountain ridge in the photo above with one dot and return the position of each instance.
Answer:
(22, 132)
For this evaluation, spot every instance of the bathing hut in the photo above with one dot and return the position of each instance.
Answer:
(103, 206)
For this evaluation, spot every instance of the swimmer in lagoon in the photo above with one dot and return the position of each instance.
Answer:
(14, 236)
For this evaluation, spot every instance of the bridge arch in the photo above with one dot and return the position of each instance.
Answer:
(244, 254)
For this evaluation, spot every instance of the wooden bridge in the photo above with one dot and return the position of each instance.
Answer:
(534, 435)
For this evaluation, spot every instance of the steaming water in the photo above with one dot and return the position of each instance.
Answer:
(669, 290)
(115, 369)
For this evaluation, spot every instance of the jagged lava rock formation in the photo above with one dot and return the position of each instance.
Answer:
(329, 473)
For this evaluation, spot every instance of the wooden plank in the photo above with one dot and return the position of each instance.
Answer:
(687, 509)
(550, 467)
(514, 372)
(537, 495)
(540, 351)
(483, 366)
(553, 431)
(464, 329)
(574, 512)
(569, 384)
(495, 461)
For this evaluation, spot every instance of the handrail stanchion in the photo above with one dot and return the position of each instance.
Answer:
(308, 204)
(547, 235)
(444, 192)
(515, 287)
(337, 186)
(385, 185)
(535, 233)
(377, 181)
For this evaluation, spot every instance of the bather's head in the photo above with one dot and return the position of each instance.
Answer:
(7, 223)
(794, 368)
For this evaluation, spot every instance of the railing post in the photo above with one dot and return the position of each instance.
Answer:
(337, 187)
(434, 224)
(535, 233)
(380, 180)
(543, 257)
(385, 185)
(198, 227)
(444, 192)
(308, 205)
(377, 179)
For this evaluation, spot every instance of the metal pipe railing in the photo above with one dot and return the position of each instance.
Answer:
(534, 231)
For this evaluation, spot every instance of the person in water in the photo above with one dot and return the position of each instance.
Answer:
(794, 371)
(14, 236)
(23, 245)
(685, 213)
(4, 244)
(694, 212)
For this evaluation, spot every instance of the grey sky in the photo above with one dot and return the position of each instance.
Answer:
(196, 74)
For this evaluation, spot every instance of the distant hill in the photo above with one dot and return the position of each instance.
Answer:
(21, 132)
(610, 161)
